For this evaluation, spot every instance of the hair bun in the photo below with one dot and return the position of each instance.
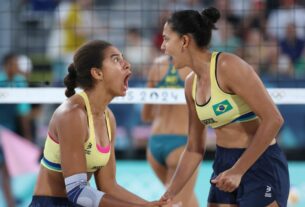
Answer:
(211, 13)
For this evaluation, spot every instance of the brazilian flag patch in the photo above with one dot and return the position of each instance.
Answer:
(222, 107)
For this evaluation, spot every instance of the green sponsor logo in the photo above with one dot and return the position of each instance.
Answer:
(222, 107)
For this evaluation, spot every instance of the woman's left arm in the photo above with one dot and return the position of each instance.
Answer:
(105, 178)
(241, 79)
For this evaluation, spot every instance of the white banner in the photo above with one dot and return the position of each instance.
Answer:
(133, 96)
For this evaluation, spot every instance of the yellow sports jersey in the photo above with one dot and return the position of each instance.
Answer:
(222, 108)
(96, 155)
(171, 79)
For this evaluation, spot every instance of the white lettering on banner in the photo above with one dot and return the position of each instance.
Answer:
(134, 96)
(153, 96)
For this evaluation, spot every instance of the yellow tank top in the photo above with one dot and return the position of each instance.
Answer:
(96, 155)
(222, 108)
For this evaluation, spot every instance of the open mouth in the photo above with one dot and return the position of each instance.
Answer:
(126, 81)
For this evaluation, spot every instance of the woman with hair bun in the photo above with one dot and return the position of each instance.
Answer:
(224, 92)
(81, 136)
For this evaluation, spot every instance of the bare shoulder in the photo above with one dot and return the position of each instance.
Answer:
(229, 63)
(235, 75)
(70, 113)
(69, 110)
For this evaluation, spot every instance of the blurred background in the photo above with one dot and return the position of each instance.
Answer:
(38, 38)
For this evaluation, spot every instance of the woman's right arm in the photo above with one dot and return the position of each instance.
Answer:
(71, 131)
(193, 154)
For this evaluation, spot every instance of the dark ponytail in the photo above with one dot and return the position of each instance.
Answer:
(70, 81)
(199, 25)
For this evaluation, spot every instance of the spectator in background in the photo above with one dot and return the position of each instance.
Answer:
(263, 55)
(293, 47)
(12, 116)
(41, 5)
(75, 22)
(15, 117)
(157, 38)
(230, 15)
(289, 12)
(138, 52)
(227, 12)
(25, 69)
(224, 38)
(255, 17)
(260, 53)
(285, 69)
(25, 65)
(271, 5)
